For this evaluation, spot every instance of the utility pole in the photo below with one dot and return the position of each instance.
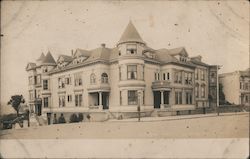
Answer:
(218, 103)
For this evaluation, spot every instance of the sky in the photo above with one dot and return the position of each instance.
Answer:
(216, 30)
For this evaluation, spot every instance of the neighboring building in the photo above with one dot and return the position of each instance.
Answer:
(116, 80)
(236, 86)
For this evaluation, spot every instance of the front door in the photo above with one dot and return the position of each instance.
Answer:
(157, 99)
(39, 109)
(105, 100)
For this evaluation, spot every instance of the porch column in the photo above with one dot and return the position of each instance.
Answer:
(100, 100)
(162, 99)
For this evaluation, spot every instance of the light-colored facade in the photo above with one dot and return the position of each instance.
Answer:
(236, 87)
(117, 80)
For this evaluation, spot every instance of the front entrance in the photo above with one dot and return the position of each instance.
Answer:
(105, 100)
(157, 99)
(99, 99)
(38, 109)
(161, 98)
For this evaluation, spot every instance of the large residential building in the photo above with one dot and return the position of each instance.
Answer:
(236, 86)
(116, 80)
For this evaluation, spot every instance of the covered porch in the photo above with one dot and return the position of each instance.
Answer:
(161, 99)
(98, 100)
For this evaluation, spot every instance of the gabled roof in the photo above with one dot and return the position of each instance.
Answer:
(197, 61)
(178, 51)
(66, 58)
(82, 52)
(130, 34)
(30, 66)
(48, 60)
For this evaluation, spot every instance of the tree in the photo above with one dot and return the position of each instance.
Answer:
(15, 102)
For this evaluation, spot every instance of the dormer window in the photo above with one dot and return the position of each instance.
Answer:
(131, 49)
(183, 59)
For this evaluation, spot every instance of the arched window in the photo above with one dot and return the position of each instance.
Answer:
(197, 90)
(104, 78)
(92, 78)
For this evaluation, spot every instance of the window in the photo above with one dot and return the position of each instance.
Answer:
(197, 90)
(157, 76)
(120, 97)
(78, 100)
(31, 80)
(61, 101)
(132, 97)
(189, 99)
(143, 72)
(120, 73)
(45, 69)
(132, 72)
(178, 97)
(46, 102)
(203, 91)
(69, 98)
(131, 49)
(45, 84)
(197, 74)
(186, 77)
(190, 81)
(241, 85)
(203, 75)
(246, 99)
(38, 79)
(212, 79)
(31, 95)
(38, 93)
(68, 80)
(168, 76)
(78, 79)
(178, 77)
(61, 83)
(164, 76)
(92, 78)
(104, 78)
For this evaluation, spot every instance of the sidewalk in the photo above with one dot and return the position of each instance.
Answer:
(179, 117)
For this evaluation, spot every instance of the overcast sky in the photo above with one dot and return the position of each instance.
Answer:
(218, 31)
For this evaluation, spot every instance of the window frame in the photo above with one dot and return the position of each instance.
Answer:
(132, 97)
(129, 77)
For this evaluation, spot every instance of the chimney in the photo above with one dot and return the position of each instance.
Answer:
(72, 52)
(103, 45)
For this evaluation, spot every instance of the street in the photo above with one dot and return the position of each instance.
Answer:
(223, 126)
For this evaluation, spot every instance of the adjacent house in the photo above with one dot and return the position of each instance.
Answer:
(236, 86)
(116, 80)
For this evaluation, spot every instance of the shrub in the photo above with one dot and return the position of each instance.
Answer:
(61, 119)
(88, 116)
(73, 118)
(80, 117)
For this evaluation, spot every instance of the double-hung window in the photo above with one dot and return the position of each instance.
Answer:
(78, 79)
(131, 49)
(132, 72)
(78, 100)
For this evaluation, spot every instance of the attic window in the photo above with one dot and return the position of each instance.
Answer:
(183, 59)
(131, 49)
(119, 53)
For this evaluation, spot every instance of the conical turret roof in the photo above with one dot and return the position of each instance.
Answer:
(41, 58)
(48, 59)
(130, 34)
